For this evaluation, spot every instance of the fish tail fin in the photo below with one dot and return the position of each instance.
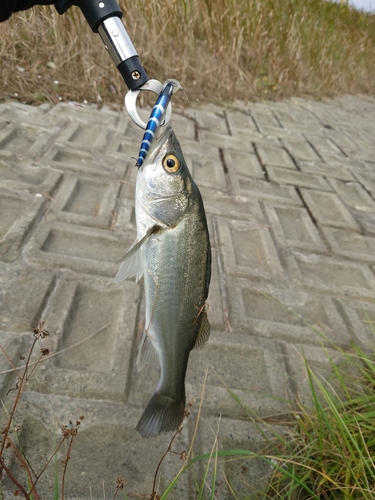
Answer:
(161, 414)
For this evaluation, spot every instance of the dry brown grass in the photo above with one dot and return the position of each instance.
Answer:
(220, 50)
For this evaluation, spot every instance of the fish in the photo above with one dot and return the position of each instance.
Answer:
(170, 87)
(173, 254)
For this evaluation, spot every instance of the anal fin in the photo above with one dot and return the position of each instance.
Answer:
(204, 331)
(147, 352)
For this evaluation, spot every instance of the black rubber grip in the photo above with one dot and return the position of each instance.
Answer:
(95, 11)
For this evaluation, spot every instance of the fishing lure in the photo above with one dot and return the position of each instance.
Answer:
(156, 117)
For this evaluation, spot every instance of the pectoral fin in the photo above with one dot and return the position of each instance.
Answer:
(131, 262)
(204, 331)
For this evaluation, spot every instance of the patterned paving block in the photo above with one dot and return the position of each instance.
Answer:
(205, 165)
(38, 180)
(332, 276)
(323, 145)
(342, 139)
(301, 150)
(199, 149)
(283, 314)
(23, 295)
(295, 178)
(360, 317)
(125, 150)
(85, 114)
(12, 347)
(20, 141)
(364, 152)
(248, 250)
(18, 213)
(240, 123)
(323, 112)
(226, 141)
(319, 362)
(183, 127)
(91, 323)
(125, 142)
(294, 228)
(238, 207)
(367, 181)
(259, 386)
(367, 222)
(354, 246)
(123, 219)
(16, 112)
(328, 210)
(334, 169)
(262, 190)
(64, 158)
(295, 118)
(87, 250)
(265, 118)
(107, 447)
(359, 132)
(86, 200)
(246, 164)
(208, 120)
(276, 156)
(86, 137)
(354, 195)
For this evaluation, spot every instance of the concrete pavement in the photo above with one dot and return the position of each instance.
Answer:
(289, 191)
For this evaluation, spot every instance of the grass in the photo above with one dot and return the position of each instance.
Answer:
(220, 50)
(334, 440)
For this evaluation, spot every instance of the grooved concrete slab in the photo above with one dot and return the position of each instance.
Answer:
(289, 194)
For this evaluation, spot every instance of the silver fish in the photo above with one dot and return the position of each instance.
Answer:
(173, 253)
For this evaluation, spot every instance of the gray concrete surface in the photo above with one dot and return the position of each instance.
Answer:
(289, 190)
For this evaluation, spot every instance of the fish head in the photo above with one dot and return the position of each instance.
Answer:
(164, 183)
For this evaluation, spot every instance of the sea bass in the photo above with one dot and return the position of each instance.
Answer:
(173, 254)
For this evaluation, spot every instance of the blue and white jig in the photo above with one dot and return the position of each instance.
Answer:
(170, 87)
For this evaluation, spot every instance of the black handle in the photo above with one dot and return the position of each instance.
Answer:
(95, 11)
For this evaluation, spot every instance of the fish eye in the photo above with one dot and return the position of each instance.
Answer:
(171, 163)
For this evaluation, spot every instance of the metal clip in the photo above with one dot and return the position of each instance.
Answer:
(131, 103)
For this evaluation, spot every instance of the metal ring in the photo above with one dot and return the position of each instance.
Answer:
(131, 103)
